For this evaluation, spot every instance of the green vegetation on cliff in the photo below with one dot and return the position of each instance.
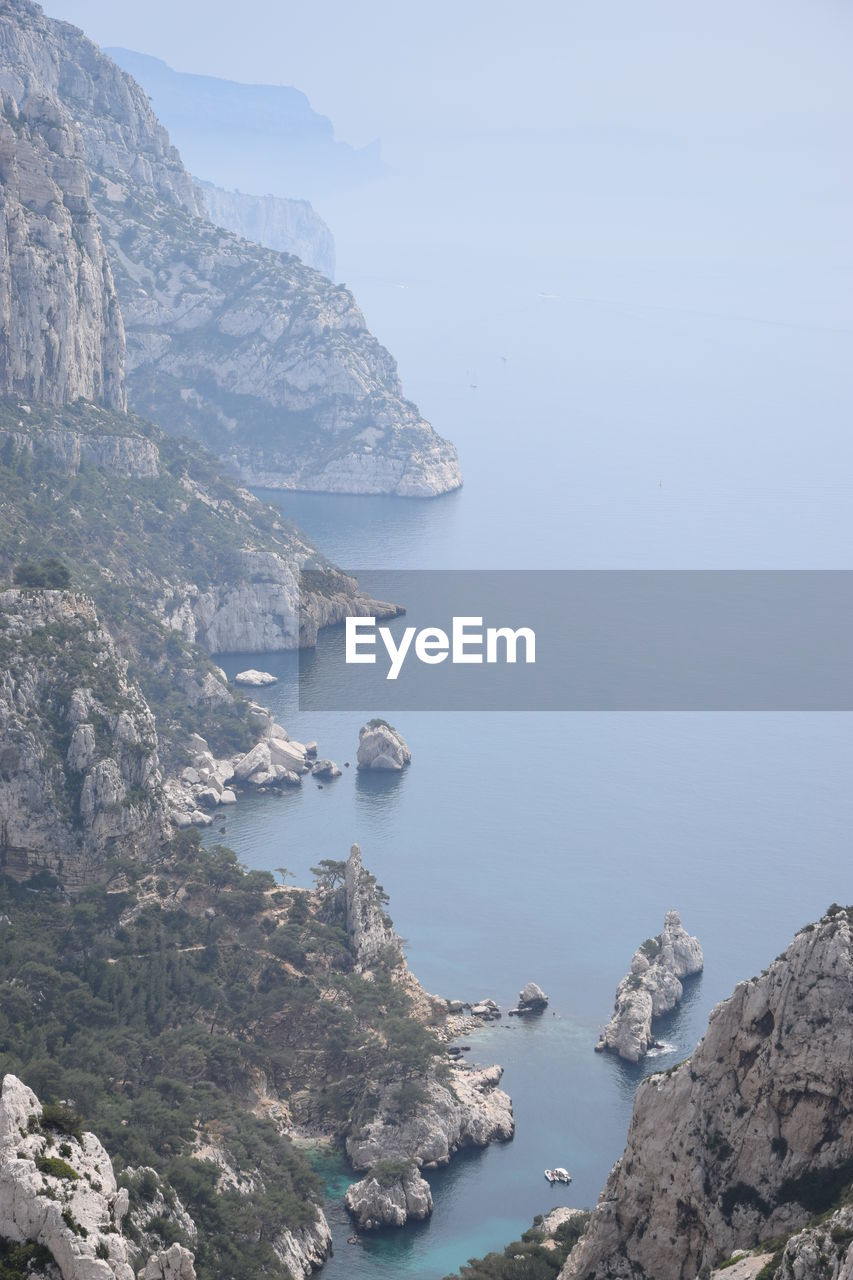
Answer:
(147, 526)
(538, 1255)
(170, 1006)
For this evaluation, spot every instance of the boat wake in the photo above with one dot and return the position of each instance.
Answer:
(661, 1048)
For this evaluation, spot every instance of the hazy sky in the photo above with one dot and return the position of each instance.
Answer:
(381, 67)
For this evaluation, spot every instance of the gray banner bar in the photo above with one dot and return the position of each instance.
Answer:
(604, 641)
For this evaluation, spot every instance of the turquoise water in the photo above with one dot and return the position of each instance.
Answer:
(546, 847)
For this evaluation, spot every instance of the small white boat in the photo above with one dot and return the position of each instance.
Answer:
(558, 1175)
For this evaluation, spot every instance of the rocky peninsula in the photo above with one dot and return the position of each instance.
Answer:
(416, 1122)
(652, 988)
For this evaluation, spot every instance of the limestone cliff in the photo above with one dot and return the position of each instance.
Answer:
(61, 331)
(288, 226)
(750, 1137)
(370, 932)
(58, 1191)
(419, 1119)
(79, 776)
(245, 348)
(652, 988)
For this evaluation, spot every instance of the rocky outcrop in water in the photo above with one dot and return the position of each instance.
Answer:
(68, 1201)
(79, 774)
(244, 348)
(531, 999)
(466, 1110)
(652, 988)
(288, 226)
(381, 747)
(389, 1197)
(748, 1139)
(255, 679)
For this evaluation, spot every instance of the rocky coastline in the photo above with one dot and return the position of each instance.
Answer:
(419, 1123)
(749, 1140)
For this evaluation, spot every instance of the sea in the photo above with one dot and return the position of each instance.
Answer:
(597, 429)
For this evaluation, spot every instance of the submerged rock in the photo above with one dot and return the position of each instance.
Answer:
(325, 769)
(380, 746)
(653, 987)
(486, 1009)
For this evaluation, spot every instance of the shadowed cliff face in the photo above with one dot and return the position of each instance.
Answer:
(247, 349)
(750, 1137)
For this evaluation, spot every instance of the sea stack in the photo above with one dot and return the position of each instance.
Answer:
(380, 746)
(532, 999)
(652, 988)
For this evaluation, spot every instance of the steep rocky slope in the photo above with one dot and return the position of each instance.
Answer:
(61, 331)
(58, 1191)
(416, 1119)
(288, 226)
(180, 561)
(750, 1137)
(79, 775)
(199, 1015)
(245, 348)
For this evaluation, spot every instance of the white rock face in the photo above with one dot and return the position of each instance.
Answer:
(531, 998)
(378, 1201)
(255, 679)
(720, 1149)
(34, 1196)
(325, 769)
(174, 1263)
(824, 1251)
(371, 934)
(305, 1250)
(469, 1111)
(652, 988)
(61, 330)
(380, 746)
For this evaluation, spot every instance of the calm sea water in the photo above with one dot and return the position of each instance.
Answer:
(596, 429)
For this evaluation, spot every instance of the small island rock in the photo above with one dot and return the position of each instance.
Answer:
(531, 999)
(380, 746)
(255, 679)
(389, 1198)
(325, 769)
